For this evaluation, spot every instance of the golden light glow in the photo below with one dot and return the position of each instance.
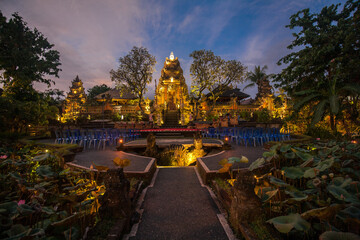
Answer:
(172, 79)
(75, 92)
(171, 56)
(121, 140)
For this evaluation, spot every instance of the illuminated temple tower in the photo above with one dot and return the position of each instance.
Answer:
(74, 102)
(171, 95)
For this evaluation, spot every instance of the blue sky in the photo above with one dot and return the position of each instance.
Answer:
(91, 35)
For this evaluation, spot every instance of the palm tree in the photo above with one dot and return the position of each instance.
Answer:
(256, 76)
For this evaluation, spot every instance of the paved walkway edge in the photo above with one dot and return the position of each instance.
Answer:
(223, 214)
(138, 209)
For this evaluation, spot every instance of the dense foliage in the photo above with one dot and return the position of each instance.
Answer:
(39, 199)
(25, 57)
(324, 74)
(307, 189)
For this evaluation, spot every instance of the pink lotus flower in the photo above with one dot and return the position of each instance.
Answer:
(21, 202)
(3, 157)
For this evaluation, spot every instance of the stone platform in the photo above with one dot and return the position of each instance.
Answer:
(140, 166)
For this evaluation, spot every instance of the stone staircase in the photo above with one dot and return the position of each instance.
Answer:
(171, 119)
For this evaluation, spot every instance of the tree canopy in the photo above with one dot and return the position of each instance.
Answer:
(96, 90)
(26, 56)
(212, 74)
(135, 72)
(325, 72)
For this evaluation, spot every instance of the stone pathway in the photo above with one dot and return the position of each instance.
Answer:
(178, 207)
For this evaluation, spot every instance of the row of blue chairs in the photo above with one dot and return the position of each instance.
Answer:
(248, 135)
(95, 138)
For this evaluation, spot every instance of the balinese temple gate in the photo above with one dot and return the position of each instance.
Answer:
(171, 95)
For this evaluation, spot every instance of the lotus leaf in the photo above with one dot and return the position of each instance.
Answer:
(48, 210)
(323, 165)
(307, 163)
(275, 147)
(351, 146)
(332, 235)
(267, 195)
(284, 148)
(25, 209)
(41, 157)
(122, 162)
(341, 194)
(284, 224)
(341, 182)
(304, 156)
(290, 155)
(278, 182)
(324, 213)
(244, 159)
(18, 231)
(347, 162)
(311, 173)
(45, 171)
(225, 168)
(101, 168)
(269, 154)
(10, 207)
(293, 172)
(258, 163)
(233, 159)
(334, 148)
(297, 195)
(223, 161)
(324, 152)
(352, 212)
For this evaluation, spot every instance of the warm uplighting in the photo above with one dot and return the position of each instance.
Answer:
(354, 141)
(171, 56)
(226, 139)
(122, 117)
(75, 92)
(121, 140)
(172, 79)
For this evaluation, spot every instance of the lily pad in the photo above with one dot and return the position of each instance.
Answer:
(293, 172)
(233, 159)
(311, 173)
(45, 171)
(225, 168)
(284, 148)
(297, 195)
(41, 157)
(290, 155)
(284, 224)
(267, 195)
(323, 165)
(278, 182)
(258, 163)
(304, 156)
(122, 162)
(341, 194)
(323, 213)
(331, 235)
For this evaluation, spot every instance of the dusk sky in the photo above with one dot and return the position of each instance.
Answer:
(91, 35)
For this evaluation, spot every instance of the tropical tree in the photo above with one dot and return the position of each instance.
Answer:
(26, 57)
(324, 73)
(212, 74)
(96, 90)
(135, 72)
(256, 76)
